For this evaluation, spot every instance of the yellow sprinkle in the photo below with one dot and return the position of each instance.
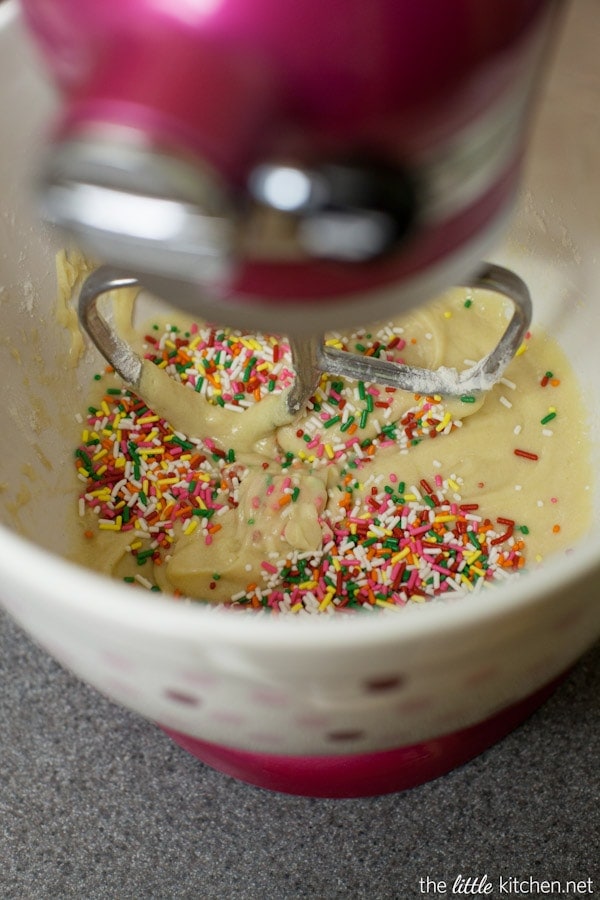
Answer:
(521, 349)
(99, 454)
(466, 581)
(120, 462)
(386, 604)
(147, 420)
(101, 470)
(416, 598)
(397, 557)
(105, 525)
(307, 585)
(447, 314)
(165, 481)
(170, 345)
(471, 557)
(296, 607)
(329, 451)
(410, 496)
(445, 421)
(135, 545)
(194, 342)
(191, 527)
(105, 408)
(151, 451)
(453, 484)
(478, 571)
(445, 519)
(83, 472)
(163, 364)
(85, 436)
(326, 601)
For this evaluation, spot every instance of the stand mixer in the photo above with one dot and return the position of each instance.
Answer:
(292, 167)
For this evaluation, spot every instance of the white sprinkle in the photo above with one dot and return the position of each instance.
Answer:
(517, 429)
(505, 402)
(507, 383)
(547, 432)
(518, 487)
(143, 581)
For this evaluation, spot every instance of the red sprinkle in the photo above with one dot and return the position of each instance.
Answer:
(526, 454)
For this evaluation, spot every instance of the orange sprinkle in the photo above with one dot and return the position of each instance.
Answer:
(285, 499)
(184, 511)
(555, 382)
(556, 529)
(88, 534)
(214, 528)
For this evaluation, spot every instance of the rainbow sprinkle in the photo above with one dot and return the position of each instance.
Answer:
(385, 544)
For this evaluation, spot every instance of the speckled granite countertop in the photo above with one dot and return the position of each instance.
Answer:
(97, 803)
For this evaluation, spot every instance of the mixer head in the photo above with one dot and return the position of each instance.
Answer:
(289, 167)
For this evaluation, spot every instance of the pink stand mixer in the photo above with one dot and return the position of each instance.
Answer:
(293, 167)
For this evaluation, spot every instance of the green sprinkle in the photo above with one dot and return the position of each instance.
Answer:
(467, 398)
(203, 513)
(361, 390)
(548, 418)
(347, 423)
(332, 421)
(231, 455)
(468, 303)
(523, 529)
(295, 494)
(363, 418)
(97, 377)
(129, 579)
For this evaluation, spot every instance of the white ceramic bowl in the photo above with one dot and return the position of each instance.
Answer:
(324, 707)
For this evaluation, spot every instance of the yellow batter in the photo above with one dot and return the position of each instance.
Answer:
(300, 508)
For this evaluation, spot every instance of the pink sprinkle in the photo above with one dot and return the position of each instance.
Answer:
(269, 567)
(393, 477)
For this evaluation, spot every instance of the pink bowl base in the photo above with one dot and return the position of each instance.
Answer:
(365, 774)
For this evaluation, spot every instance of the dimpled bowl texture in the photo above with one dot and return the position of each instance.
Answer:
(343, 706)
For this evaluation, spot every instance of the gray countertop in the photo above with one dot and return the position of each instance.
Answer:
(97, 803)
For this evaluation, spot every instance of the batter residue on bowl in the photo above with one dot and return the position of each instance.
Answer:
(372, 498)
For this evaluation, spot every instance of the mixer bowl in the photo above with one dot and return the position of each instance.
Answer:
(342, 706)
